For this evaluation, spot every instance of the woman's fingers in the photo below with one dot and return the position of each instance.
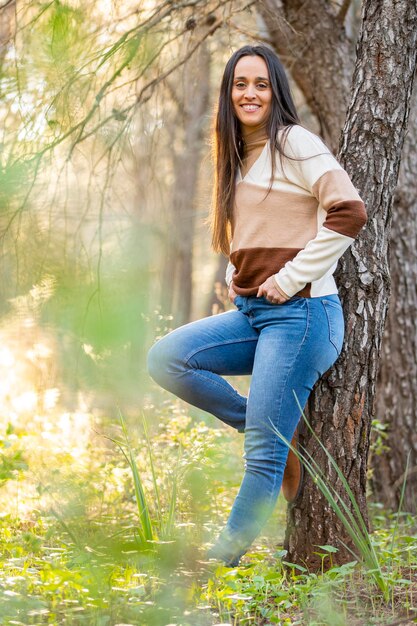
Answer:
(269, 291)
(232, 295)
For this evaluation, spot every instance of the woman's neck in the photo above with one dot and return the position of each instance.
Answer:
(254, 134)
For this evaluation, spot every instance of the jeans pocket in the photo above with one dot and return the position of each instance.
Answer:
(336, 323)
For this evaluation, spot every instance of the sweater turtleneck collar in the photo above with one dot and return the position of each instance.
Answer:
(254, 141)
(254, 137)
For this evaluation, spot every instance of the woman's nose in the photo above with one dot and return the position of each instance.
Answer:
(250, 92)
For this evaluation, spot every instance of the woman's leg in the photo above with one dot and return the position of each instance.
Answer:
(298, 342)
(190, 361)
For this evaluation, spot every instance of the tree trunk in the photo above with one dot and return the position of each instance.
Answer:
(374, 132)
(397, 388)
(396, 404)
(192, 103)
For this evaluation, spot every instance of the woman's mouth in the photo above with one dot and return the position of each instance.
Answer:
(250, 107)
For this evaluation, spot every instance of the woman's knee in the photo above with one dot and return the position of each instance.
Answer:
(164, 359)
(156, 360)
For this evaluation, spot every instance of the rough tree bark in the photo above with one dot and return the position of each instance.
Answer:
(396, 404)
(397, 380)
(374, 132)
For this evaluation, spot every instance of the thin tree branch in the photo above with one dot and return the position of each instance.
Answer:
(6, 4)
(343, 11)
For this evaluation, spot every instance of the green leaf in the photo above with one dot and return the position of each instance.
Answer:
(329, 548)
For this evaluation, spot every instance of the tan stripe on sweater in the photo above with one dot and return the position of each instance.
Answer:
(279, 220)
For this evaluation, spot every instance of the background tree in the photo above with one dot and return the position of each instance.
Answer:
(189, 92)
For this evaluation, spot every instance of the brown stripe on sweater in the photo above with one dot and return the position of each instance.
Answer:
(346, 217)
(255, 265)
(346, 212)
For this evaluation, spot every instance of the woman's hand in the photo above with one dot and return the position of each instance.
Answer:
(272, 292)
(232, 293)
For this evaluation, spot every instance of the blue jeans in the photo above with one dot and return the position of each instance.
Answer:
(286, 348)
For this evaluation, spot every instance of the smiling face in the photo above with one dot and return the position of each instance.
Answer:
(251, 92)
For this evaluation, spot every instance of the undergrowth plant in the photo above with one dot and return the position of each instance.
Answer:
(148, 530)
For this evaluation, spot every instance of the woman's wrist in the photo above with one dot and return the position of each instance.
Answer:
(278, 288)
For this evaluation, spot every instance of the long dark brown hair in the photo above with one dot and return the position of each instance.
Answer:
(228, 140)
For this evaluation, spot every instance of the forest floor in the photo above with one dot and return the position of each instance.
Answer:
(75, 549)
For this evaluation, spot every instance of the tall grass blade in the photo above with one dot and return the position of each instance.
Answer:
(173, 500)
(154, 481)
(146, 532)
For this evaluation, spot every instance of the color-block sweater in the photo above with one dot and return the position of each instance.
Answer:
(301, 228)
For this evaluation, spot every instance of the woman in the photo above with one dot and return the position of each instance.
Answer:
(284, 211)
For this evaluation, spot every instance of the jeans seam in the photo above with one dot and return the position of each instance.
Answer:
(330, 325)
(280, 404)
(337, 305)
(225, 387)
(215, 345)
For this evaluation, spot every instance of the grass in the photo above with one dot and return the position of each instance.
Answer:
(117, 535)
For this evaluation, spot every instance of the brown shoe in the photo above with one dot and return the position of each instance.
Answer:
(293, 474)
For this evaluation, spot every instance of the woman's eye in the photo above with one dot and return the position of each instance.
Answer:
(241, 85)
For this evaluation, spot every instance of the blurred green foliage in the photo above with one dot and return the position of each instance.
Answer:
(12, 462)
(66, 80)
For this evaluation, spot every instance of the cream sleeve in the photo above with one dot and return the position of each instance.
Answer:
(329, 183)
